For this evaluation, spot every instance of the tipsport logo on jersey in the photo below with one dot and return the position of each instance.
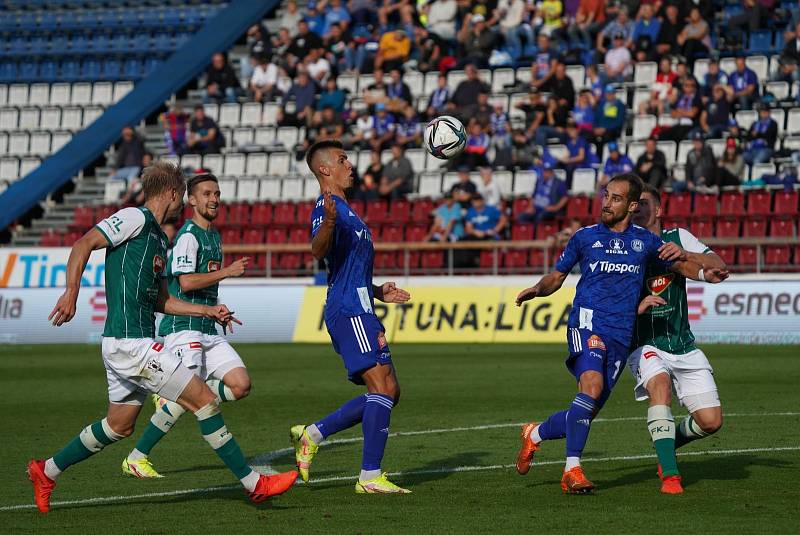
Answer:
(473, 314)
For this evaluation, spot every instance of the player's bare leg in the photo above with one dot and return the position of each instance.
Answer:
(699, 424)
(661, 426)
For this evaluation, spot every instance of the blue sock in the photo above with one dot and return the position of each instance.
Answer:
(344, 417)
(375, 425)
(554, 427)
(579, 419)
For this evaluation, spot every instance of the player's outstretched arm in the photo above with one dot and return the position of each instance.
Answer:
(548, 284)
(388, 292)
(693, 270)
(671, 251)
(169, 304)
(78, 258)
(323, 239)
(198, 281)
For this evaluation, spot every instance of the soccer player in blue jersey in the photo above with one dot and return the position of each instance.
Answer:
(342, 239)
(613, 256)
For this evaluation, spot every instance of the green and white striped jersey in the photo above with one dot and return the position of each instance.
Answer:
(135, 260)
(196, 251)
(667, 326)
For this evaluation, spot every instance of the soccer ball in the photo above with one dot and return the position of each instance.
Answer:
(445, 137)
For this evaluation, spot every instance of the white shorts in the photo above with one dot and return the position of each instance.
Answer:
(207, 355)
(691, 373)
(136, 367)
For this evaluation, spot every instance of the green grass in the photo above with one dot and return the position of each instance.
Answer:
(51, 392)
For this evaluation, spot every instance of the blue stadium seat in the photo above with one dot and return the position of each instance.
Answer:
(192, 18)
(28, 21)
(92, 19)
(48, 71)
(132, 69)
(118, 43)
(130, 19)
(109, 19)
(181, 39)
(162, 42)
(28, 71)
(101, 44)
(70, 20)
(8, 72)
(70, 70)
(58, 45)
(90, 70)
(139, 43)
(150, 19)
(151, 65)
(172, 17)
(18, 46)
(760, 42)
(50, 22)
(38, 45)
(112, 70)
(79, 44)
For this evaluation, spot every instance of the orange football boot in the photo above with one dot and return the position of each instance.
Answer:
(574, 482)
(528, 448)
(42, 485)
(272, 486)
(671, 485)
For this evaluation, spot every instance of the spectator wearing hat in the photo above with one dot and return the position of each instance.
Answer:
(383, 128)
(398, 175)
(609, 118)
(645, 33)
(618, 61)
(745, 85)
(730, 167)
(714, 118)
(476, 41)
(314, 18)
(701, 167)
(221, 81)
(393, 50)
(463, 190)
(616, 164)
(651, 165)
(448, 221)
(763, 134)
(549, 196)
(483, 221)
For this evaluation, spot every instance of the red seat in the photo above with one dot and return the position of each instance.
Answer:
(432, 259)
(673, 222)
(83, 217)
(51, 239)
(680, 205)
(545, 229)
(781, 228)
(597, 206)
(399, 211)
(728, 228)
(239, 214)
(188, 211)
(578, 207)
(746, 256)
(299, 235)
(522, 231)
(786, 203)
(283, 213)
(290, 261)
(357, 206)
(231, 236)
(516, 258)
(392, 234)
(487, 259)
(702, 228)
(755, 228)
(261, 214)
(377, 211)
(520, 205)
(758, 202)
(777, 256)
(385, 260)
(537, 257)
(253, 236)
(727, 253)
(421, 210)
(276, 235)
(71, 237)
(705, 205)
(303, 215)
(416, 233)
(731, 204)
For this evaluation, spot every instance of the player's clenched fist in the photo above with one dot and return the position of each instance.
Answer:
(237, 268)
(330, 207)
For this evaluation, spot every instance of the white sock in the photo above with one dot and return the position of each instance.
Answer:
(136, 455)
(250, 481)
(51, 470)
(225, 395)
(366, 475)
(535, 437)
(314, 434)
(572, 462)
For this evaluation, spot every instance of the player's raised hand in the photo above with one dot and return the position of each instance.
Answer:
(237, 268)
(671, 252)
(64, 309)
(715, 275)
(527, 294)
(649, 302)
(390, 293)
(330, 206)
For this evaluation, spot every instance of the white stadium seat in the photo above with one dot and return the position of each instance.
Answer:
(29, 118)
(251, 114)
(50, 118)
(192, 161)
(761, 169)
(504, 179)
(644, 73)
(3, 94)
(113, 191)
(292, 189)
(227, 187)
(310, 189)
(430, 184)
(746, 118)
(234, 164)
(242, 137)
(18, 143)
(39, 95)
(72, 118)
(635, 149)
(524, 182)
(59, 140)
(40, 143)
(247, 189)
(18, 95)
(102, 93)
(792, 123)
(229, 114)
(9, 169)
(279, 163)
(287, 136)
(583, 181)
(81, 94)
(577, 73)
(264, 136)
(502, 78)
(256, 164)
(415, 82)
(27, 165)
(3, 142)
(121, 89)
(60, 94)
(9, 118)
(90, 114)
(213, 163)
(417, 159)
(269, 189)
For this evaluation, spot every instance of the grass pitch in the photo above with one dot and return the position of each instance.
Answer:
(455, 449)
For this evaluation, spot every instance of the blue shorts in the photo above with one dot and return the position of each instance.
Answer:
(361, 343)
(589, 351)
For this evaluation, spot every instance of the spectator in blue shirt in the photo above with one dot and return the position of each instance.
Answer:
(332, 97)
(763, 134)
(408, 130)
(609, 118)
(645, 34)
(578, 152)
(616, 164)
(315, 19)
(448, 221)
(303, 93)
(549, 196)
(335, 13)
(439, 98)
(745, 85)
(383, 128)
(484, 222)
(714, 76)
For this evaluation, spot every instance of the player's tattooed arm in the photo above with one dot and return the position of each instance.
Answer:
(78, 258)
(547, 285)
(323, 239)
(388, 292)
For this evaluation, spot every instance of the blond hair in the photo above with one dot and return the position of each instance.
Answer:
(160, 177)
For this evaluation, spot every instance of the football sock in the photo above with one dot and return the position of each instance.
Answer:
(375, 426)
(688, 430)
(223, 392)
(572, 462)
(579, 420)
(342, 418)
(160, 423)
(554, 427)
(91, 440)
(212, 425)
(661, 425)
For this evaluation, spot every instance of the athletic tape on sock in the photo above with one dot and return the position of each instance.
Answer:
(660, 422)
(163, 421)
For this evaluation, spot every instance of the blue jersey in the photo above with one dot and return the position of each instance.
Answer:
(612, 274)
(349, 262)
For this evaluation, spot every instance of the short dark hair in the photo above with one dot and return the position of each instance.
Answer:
(318, 146)
(653, 191)
(199, 179)
(635, 185)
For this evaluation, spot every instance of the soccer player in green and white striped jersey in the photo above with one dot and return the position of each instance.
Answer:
(665, 353)
(194, 272)
(135, 363)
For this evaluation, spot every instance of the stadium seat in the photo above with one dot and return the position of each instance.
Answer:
(731, 204)
(782, 228)
(51, 238)
(746, 256)
(303, 213)
(376, 212)
(522, 231)
(705, 205)
(392, 233)
(432, 259)
(514, 259)
(261, 214)
(284, 213)
(680, 205)
(758, 202)
(299, 234)
(578, 208)
(702, 228)
(755, 228)
(385, 260)
(253, 236)
(247, 189)
(727, 253)
(421, 210)
(728, 228)
(786, 203)
(83, 217)
(760, 42)
(238, 214)
(416, 233)
(777, 257)
(276, 235)
(546, 229)
(399, 211)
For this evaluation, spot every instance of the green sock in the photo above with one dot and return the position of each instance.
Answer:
(688, 430)
(91, 440)
(160, 423)
(661, 425)
(212, 425)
